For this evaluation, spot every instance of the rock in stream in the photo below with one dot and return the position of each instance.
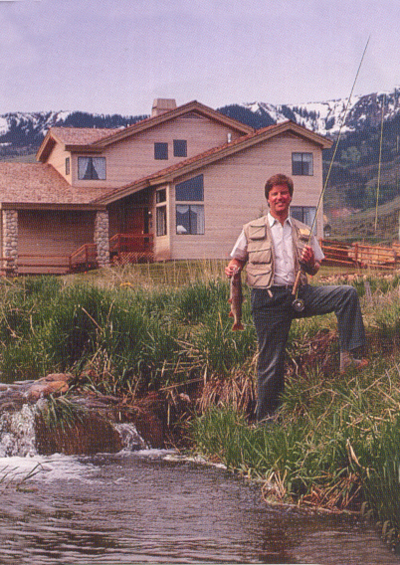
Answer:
(38, 417)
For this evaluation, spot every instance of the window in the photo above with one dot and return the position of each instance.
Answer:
(180, 148)
(189, 190)
(161, 196)
(91, 168)
(161, 151)
(305, 214)
(161, 220)
(67, 166)
(189, 219)
(302, 164)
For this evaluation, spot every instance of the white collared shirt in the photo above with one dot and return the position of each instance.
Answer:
(282, 242)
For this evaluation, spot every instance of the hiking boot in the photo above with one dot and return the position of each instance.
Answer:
(347, 362)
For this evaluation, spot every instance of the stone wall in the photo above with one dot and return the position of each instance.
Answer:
(10, 239)
(101, 238)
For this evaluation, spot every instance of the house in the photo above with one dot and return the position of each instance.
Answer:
(178, 185)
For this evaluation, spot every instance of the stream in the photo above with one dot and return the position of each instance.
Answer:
(153, 506)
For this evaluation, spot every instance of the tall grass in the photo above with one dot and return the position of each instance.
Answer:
(134, 330)
(124, 333)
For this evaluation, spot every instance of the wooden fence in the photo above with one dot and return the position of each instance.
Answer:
(361, 255)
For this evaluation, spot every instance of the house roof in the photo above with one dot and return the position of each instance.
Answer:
(96, 140)
(213, 155)
(81, 136)
(37, 184)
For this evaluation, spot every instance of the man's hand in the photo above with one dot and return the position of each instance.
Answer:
(309, 264)
(233, 267)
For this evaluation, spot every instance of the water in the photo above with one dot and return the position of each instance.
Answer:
(151, 507)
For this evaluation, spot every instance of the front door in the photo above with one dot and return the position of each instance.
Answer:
(135, 224)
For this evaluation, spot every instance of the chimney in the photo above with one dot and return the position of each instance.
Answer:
(162, 105)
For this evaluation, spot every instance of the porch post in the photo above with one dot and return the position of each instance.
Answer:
(10, 241)
(101, 238)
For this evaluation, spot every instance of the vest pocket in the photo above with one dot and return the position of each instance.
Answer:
(259, 279)
(257, 232)
(260, 255)
(259, 252)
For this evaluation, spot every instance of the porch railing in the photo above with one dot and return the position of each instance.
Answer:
(131, 248)
(85, 257)
(126, 242)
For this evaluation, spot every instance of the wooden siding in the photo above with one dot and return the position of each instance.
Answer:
(57, 160)
(234, 195)
(47, 237)
(133, 158)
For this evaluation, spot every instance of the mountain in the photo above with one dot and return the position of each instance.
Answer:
(366, 160)
(325, 118)
(22, 133)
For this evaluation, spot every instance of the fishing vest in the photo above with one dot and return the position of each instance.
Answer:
(260, 251)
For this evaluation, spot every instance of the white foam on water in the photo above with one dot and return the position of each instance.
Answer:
(46, 468)
(17, 433)
(131, 438)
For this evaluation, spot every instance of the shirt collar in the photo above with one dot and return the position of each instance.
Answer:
(272, 220)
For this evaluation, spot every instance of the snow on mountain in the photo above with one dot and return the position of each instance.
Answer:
(27, 130)
(326, 118)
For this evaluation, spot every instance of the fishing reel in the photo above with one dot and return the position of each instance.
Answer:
(298, 305)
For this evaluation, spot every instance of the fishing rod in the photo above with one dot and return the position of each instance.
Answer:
(379, 164)
(298, 304)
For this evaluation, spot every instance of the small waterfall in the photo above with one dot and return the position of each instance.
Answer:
(17, 432)
(79, 425)
(131, 439)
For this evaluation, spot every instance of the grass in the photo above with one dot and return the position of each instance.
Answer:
(165, 329)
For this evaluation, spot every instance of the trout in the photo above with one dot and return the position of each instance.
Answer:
(235, 300)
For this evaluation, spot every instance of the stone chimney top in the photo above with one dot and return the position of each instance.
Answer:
(162, 105)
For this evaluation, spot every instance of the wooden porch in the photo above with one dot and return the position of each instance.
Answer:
(131, 248)
(124, 249)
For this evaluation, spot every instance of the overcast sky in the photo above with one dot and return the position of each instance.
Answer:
(116, 56)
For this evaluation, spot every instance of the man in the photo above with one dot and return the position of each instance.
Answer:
(275, 248)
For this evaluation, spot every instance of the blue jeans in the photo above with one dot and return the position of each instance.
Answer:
(273, 313)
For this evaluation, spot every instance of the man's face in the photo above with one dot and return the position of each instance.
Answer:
(279, 200)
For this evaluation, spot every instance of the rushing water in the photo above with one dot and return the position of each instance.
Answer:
(150, 506)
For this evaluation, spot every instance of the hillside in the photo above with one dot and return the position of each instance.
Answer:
(353, 182)
(22, 133)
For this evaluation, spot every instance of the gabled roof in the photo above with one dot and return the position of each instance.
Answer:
(81, 137)
(95, 140)
(42, 186)
(213, 155)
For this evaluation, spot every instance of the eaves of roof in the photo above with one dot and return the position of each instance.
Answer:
(155, 121)
(40, 186)
(73, 139)
(109, 137)
(213, 155)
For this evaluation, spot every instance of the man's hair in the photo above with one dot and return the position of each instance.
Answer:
(278, 180)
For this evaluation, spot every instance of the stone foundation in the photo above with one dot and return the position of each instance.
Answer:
(101, 238)
(10, 240)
